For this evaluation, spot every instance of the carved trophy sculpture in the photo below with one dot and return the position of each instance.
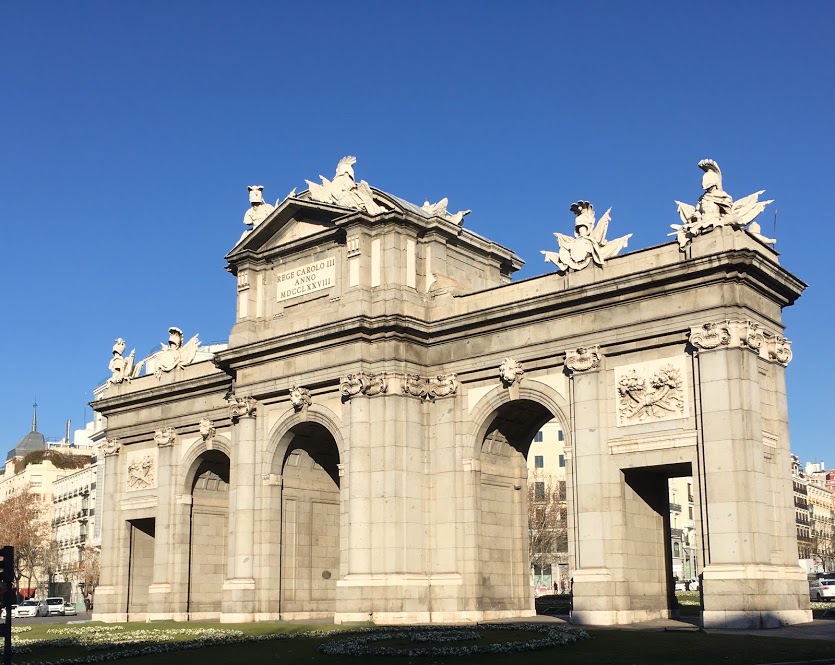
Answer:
(344, 191)
(715, 208)
(258, 210)
(439, 210)
(589, 242)
(123, 369)
(175, 354)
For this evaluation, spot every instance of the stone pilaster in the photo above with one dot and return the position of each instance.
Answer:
(588, 520)
(160, 597)
(111, 594)
(238, 603)
(749, 580)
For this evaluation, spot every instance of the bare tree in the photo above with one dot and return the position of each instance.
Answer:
(89, 567)
(24, 526)
(547, 525)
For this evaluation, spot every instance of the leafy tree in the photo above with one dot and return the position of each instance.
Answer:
(24, 526)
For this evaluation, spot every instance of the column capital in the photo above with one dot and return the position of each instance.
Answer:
(583, 359)
(111, 447)
(741, 334)
(164, 438)
(241, 407)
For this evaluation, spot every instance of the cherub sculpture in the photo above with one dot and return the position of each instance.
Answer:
(175, 354)
(589, 242)
(343, 190)
(439, 210)
(123, 369)
(715, 208)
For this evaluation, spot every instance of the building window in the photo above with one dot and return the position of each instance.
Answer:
(560, 436)
(539, 491)
(676, 550)
(539, 461)
(690, 511)
(538, 437)
(36, 481)
(562, 460)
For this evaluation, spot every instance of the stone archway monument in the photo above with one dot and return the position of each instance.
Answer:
(378, 396)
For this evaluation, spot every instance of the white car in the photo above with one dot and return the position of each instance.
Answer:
(32, 608)
(55, 606)
(822, 589)
(69, 609)
(3, 613)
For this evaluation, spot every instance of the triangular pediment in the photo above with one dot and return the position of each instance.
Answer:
(292, 220)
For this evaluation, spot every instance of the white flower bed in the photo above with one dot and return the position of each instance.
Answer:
(360, 642)
(20, 629)
(116, 642)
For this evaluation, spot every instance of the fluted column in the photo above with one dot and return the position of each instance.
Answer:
(239, 589)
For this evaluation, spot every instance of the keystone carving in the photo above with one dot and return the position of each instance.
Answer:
(583, 359)
(207, 430)
(165, 437)
(240, 407)
(510, 372)
(110, 447)
(300, 397)
(742, 334)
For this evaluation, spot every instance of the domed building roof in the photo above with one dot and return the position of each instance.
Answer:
(34, 440)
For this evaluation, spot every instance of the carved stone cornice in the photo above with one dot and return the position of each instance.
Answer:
(367, 384)
(742, 334)
(110, 447)
(300, 397)
(442, 385)
(583, 359)
(241, 407)
(510, 372)
(165, 438)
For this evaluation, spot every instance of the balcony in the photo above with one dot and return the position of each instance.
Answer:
(675, 507)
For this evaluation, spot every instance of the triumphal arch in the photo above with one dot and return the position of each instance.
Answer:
(358, 450)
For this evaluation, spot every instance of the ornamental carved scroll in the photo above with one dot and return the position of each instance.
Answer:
(241, 407)
(366, 384)
(742, 334)
(583, 359)
(442, 385)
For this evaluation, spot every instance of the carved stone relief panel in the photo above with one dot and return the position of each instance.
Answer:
(652, 391)
(141, 469)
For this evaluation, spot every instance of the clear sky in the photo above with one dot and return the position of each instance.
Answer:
(130, 131)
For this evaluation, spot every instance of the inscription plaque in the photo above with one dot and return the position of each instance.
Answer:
(306, 278)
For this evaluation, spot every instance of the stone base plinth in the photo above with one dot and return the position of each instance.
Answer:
(238, 604)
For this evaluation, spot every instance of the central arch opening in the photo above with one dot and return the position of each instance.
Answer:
(310, 511)
(503, 492)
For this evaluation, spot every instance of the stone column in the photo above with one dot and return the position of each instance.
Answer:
(111, 594)
(239, 590)
(747, 582)
(160, 600)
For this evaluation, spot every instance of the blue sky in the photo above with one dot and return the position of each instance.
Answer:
(131, 130)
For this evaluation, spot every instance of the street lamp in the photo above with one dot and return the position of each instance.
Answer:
(81, 589)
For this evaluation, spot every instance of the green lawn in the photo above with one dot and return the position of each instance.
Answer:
(606, 647)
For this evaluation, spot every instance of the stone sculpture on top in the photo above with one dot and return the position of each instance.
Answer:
(176, 354)
(344, 191)
(258, 211)
(589, 242)
(715, 208)
(123, 369)
(439, 210)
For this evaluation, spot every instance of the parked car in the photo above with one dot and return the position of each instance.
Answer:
(822, 589)
(3, 613)
(694, 584)
(55, 606)
(680, 585)
(32, 608)
(69, 609)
